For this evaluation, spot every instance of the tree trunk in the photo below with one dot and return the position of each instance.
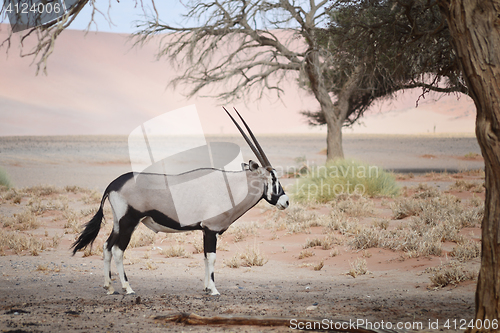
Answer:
(334, 121)
(334, 148)
(474, 27)
(335, 113)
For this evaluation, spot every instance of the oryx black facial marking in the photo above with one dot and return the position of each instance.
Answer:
(136, 199)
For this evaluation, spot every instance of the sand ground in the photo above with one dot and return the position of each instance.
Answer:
(55, 292)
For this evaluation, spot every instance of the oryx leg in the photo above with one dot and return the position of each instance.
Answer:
(107, 269)
(118, 255)
(116, 245)
(209, 246)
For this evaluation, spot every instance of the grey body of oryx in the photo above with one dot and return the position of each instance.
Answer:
(144, 199)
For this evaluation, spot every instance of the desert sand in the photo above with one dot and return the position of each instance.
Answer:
(59, 180)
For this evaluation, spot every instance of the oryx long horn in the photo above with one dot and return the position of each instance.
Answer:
(261, 151)
(247, 139)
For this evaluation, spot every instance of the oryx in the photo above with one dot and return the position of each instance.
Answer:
(138, 199)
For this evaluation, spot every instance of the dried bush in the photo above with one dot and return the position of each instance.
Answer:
(174, 251)
(358, 267)
(305, 254)
(356, 208)
(319, 266)
(252, 257)
(451, 273)
(234, 262)
(22, 221)
(466, 250)
(462, 185)
(365, 239)
(19, 242)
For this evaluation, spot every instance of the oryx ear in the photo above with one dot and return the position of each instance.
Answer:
(253, 165)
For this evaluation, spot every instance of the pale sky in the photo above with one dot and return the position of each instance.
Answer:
(124, 14)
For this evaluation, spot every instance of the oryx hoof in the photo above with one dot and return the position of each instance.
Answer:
(211, 292)
(111, 291)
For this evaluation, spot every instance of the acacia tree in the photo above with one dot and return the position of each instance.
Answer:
(474, 28)
(249, 45)
(399, 45)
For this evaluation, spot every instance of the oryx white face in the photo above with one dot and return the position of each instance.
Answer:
(274, 193)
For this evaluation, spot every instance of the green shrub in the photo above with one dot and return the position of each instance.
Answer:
(4, 179)
(344, 177)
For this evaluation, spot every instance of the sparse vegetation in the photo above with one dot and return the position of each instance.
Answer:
(358, 207)
(25, 220)
(466, 250)
(325, 183)
(462, 185)
(19, 242)
(41, 190)
(450, 273)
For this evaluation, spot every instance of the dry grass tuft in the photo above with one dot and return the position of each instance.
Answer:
(325, 243)
(252, 257)
(174, 251)
(72, 221)
(150, 266)
(198, 246)
(41, 190)
(297, 219)
(91, 197)
(305, 254)
(20, 243)
(319, 266)
(337, 221)
(358, 267)
(93, 250)
(22, 221)
(446, 209)
(466, 251)
(365, 239)
(464, 185)
(354, 207)
(12, 194)
(381, 224)
(334, 253)
(452, 273)
(234, 262)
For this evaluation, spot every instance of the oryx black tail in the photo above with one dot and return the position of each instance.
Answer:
(91, 230)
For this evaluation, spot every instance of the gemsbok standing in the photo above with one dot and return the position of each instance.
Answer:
(135, 199)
